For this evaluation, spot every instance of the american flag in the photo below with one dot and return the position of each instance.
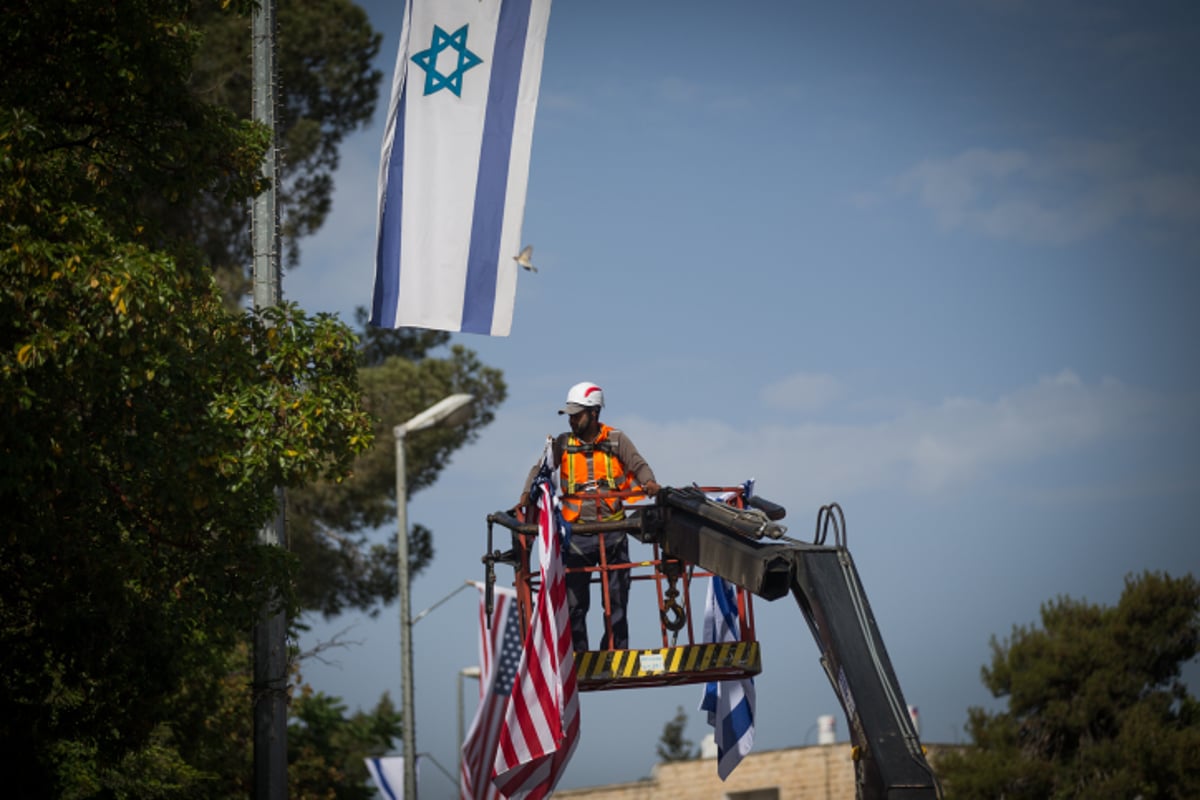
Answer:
(541, 726)
(499, 655)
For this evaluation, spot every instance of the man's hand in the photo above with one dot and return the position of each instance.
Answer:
(651, 488)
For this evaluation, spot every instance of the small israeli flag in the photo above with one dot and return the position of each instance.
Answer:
(455, 164)
(730, 704)
(388, 775)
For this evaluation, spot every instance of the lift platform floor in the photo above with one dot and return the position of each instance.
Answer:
(668, 666)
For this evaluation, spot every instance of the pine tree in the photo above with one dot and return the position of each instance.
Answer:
(672, 746)
(1096, 704)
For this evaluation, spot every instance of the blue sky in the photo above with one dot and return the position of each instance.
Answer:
(936, 261)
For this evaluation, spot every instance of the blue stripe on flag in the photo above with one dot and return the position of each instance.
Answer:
(739, 719)
(387, 274)
(492, 184)
(728, 606)
(380, 776)
(730, 704)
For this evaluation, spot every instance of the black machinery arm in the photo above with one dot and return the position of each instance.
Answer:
(889, 762)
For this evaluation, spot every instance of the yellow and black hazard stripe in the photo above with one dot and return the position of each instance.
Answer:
(682, 664)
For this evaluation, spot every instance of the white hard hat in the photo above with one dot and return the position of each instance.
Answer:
(583, 395)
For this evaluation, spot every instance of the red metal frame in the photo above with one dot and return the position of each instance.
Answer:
(527, 580)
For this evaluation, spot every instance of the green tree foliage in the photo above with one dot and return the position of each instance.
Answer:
(1096, 705)
(329, 520)
(143, 425)
(326, 744)
(672, 746)
(327, 87)
(98, 94)
(146, 420)
(327, 747)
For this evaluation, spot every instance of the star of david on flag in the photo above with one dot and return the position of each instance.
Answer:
(454, 164)
(428, 60)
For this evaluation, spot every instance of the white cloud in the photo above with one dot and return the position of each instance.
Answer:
(708, 97)
(964, 437)
(1065, 193)
(563, 101)
(803, 392)
(926, 450)
(935, 450)
(951, 187)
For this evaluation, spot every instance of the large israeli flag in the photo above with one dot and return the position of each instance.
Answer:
(455, 164)
(730, 704)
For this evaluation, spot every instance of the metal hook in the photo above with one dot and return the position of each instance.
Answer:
(673, 616)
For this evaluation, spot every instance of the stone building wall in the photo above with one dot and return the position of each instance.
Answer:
(821, 772)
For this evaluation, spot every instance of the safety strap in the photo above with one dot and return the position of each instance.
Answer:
(607, 450)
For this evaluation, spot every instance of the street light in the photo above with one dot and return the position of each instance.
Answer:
(453, 410)
(465, 672)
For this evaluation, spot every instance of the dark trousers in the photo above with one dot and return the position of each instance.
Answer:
(584, 551)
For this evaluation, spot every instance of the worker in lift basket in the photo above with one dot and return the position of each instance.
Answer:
(593, 458)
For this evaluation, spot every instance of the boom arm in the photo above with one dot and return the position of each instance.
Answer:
(889, 761)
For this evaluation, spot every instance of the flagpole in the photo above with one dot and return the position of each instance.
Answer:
(270, 632)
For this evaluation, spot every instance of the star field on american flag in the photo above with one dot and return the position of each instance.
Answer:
(510, 657)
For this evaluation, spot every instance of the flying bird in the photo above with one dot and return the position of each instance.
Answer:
(525, 258)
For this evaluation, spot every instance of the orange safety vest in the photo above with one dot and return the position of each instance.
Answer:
(593, 467)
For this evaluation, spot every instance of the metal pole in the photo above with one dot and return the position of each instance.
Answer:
(420, 615)
(447, 411)
(266, 210)
(465, 672)
(461, 734)
(270, 632)
(407, 710)
(270, 687)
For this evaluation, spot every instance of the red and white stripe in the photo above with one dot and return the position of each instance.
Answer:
(541, 727)
(499, 654)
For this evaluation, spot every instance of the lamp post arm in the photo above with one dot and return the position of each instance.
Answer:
(442, 769)
(422, 614)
